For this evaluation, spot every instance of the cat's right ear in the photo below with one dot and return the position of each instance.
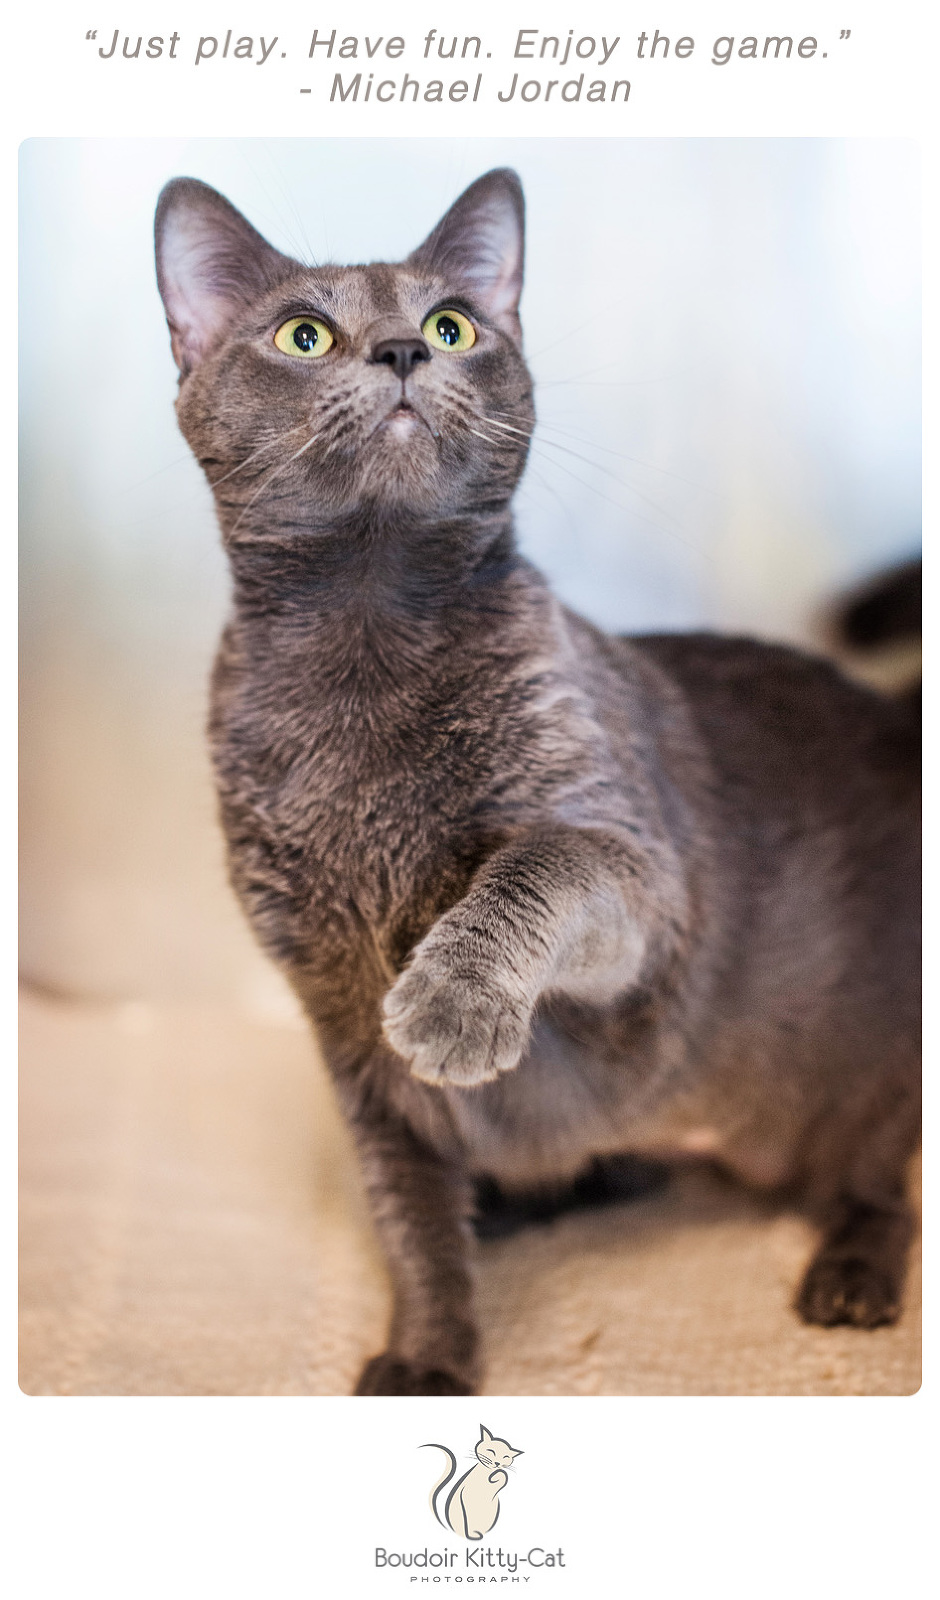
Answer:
(210, 264)
(480, 243)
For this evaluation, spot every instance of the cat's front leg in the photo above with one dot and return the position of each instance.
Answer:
(560, 910)
(420, 1206)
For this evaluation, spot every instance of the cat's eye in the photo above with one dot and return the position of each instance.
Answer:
(306, 337)
(449, 330)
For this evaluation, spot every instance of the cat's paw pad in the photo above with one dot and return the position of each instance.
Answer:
(389, 1374)
(851, 1291)
(460, 1028)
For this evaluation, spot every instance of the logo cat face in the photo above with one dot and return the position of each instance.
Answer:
(492, 1452)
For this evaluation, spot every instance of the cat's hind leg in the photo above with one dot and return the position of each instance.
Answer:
(857, 1275)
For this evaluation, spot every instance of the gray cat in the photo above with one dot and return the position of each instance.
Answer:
(547, 895)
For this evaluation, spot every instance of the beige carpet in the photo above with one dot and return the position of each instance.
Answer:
(192, 1223)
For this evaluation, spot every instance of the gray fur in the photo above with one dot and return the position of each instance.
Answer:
(546, 895)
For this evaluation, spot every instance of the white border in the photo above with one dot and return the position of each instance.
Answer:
(663, 1497)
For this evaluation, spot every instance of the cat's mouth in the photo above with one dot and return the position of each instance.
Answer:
(403, 419)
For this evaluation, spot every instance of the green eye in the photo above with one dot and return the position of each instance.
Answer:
(306, 337)
(449, 330)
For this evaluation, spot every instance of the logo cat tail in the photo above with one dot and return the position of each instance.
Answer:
(432, 1499)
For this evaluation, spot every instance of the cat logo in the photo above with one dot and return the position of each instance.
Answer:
(472, 1506)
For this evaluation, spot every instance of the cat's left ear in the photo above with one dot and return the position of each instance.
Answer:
(211, 264)
(480, 243)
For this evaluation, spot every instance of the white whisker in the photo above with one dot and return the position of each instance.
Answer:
(637, 461)
(255, 453)
(271, 476)
(486, 437)
(524, 433)
(597, 466)
(558, 466)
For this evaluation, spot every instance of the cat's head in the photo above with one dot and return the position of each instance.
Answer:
(491, 1452)
(317, 394)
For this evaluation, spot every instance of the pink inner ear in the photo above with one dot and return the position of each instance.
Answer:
(499, 271)
(210, 263)
(479, 243)
(196, 315)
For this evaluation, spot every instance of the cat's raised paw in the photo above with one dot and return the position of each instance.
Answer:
(460, 1028)
(849, 1290)
(388, 1374)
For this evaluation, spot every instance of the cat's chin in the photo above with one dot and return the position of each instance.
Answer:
(401, 463)
(403, 422)
(403, 431)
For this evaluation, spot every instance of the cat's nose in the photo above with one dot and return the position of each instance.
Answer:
(402, 355)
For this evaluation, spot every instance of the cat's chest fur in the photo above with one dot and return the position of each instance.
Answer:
(358, 795)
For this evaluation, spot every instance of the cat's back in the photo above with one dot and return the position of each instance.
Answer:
(809, 786)
(788, 728)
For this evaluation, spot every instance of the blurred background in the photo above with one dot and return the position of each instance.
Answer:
(725, 340)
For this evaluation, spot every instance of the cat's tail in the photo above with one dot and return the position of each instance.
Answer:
(886, 609)
(443, 1481)
(881, 624)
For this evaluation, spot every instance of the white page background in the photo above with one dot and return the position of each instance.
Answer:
(660, 1497)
